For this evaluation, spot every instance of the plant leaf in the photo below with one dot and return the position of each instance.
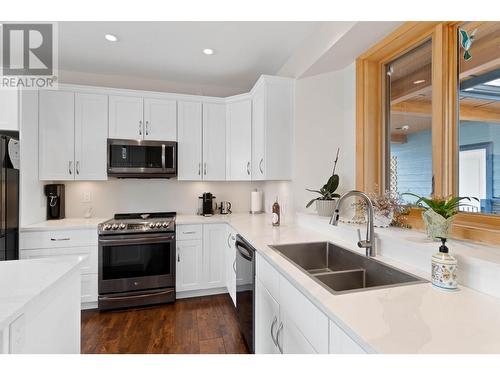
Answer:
(311, 202)
(332, 184)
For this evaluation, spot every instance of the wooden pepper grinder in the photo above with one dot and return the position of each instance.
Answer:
(276, 213)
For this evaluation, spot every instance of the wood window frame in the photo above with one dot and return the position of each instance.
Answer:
(370, 122)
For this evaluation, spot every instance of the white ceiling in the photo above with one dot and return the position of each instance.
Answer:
(172, 51)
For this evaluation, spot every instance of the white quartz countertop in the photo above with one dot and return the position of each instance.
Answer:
(22, 281)
(407, 319)
(64, 224)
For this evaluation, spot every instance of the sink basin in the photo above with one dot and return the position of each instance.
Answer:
(341, 270)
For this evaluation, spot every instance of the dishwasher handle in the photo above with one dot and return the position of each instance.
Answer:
(244, 251)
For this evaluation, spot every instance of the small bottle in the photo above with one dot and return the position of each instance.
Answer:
(276, 214)
(444, 268)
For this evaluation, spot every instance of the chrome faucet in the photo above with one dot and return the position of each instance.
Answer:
(369, 242)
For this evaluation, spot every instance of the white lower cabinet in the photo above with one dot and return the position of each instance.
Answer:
(189, 265)
(287, 322)
(66, 243)
(201, 257)
(267, 312)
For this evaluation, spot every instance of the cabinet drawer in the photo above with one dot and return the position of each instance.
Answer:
(89, 288)
(58, 238)
(307, 318)
(87, 266)
(268, 276)
(189, 232)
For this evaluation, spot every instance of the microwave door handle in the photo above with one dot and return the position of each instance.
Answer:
(163, 166)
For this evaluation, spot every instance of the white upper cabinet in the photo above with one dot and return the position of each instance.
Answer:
(239, 140)
(272, 129)
(126, 117)
(189, 137)
(160, 119)
(56, 135)
(8, 109)
(214, 141)
(91, 132)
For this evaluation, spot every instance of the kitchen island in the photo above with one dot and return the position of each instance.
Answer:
(40, 306)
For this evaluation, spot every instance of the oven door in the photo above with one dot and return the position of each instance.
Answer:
(136, 262)
(131, 158)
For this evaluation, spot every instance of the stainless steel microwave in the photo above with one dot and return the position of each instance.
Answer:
(141, 159)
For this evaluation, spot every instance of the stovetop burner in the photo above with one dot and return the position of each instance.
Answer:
(153, 222)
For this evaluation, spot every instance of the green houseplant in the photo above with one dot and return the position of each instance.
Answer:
(439, 213)
(325, 203)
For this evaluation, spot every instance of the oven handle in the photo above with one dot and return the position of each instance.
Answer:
(137, 296)
(243, 250)
(141, 240)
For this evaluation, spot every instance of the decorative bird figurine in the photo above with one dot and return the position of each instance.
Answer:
(466, 42)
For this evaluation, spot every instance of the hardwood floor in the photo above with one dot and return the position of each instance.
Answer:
(195, 325)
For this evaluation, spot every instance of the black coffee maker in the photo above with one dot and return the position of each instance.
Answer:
(207, 204)
(55, 201)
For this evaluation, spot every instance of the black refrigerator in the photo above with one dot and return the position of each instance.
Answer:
(9, 195)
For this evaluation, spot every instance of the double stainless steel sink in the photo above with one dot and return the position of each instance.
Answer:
(341, 270)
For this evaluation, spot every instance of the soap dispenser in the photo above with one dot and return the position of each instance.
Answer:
(444, 268)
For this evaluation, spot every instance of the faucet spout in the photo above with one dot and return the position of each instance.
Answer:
(369, 242)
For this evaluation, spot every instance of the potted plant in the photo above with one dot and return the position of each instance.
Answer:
(325, 203)
(439, 213)
(386, 206)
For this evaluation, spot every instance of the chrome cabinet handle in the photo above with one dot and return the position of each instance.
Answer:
(147, 127)
(234, 266)
(70, 167)
(275, 320)
(199, 169)
(190, 232)
(178, 255)
(77, 167)
(280, 328)
(205, 169)
(248, 168)
(61, 239)
(140, 127)
(260, 165)
(228, 238)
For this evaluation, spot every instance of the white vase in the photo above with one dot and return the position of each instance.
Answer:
(382, 221)
(325, 207)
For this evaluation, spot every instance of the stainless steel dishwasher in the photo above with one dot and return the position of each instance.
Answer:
(245, 290)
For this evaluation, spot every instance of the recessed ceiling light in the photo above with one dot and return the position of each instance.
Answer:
(111, 38)
(418, 81)
(208, 51)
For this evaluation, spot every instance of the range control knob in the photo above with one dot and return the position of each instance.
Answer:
(165, 224)
(122, 226)
(107, 227)
(151, 225)
(114, 226)
(158, 225)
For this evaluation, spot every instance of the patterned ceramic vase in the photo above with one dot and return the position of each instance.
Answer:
(382, 221)
(444, 271)
(436, 225)
(325, 207)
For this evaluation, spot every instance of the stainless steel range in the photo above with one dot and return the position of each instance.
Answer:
(137, 260)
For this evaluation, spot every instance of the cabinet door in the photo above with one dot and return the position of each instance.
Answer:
(341, 343)
(258, 133)
(56, 135)
(214, 141)
(266, 321)
(231, 264)
(125, 117)
(91, 133)
(290, 339)
(239, 140)
(189, 262)
(214, 245)
(8, 109)
(160, 120)
(189, 140)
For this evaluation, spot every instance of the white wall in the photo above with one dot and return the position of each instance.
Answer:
(133, 195)
(324, 120)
